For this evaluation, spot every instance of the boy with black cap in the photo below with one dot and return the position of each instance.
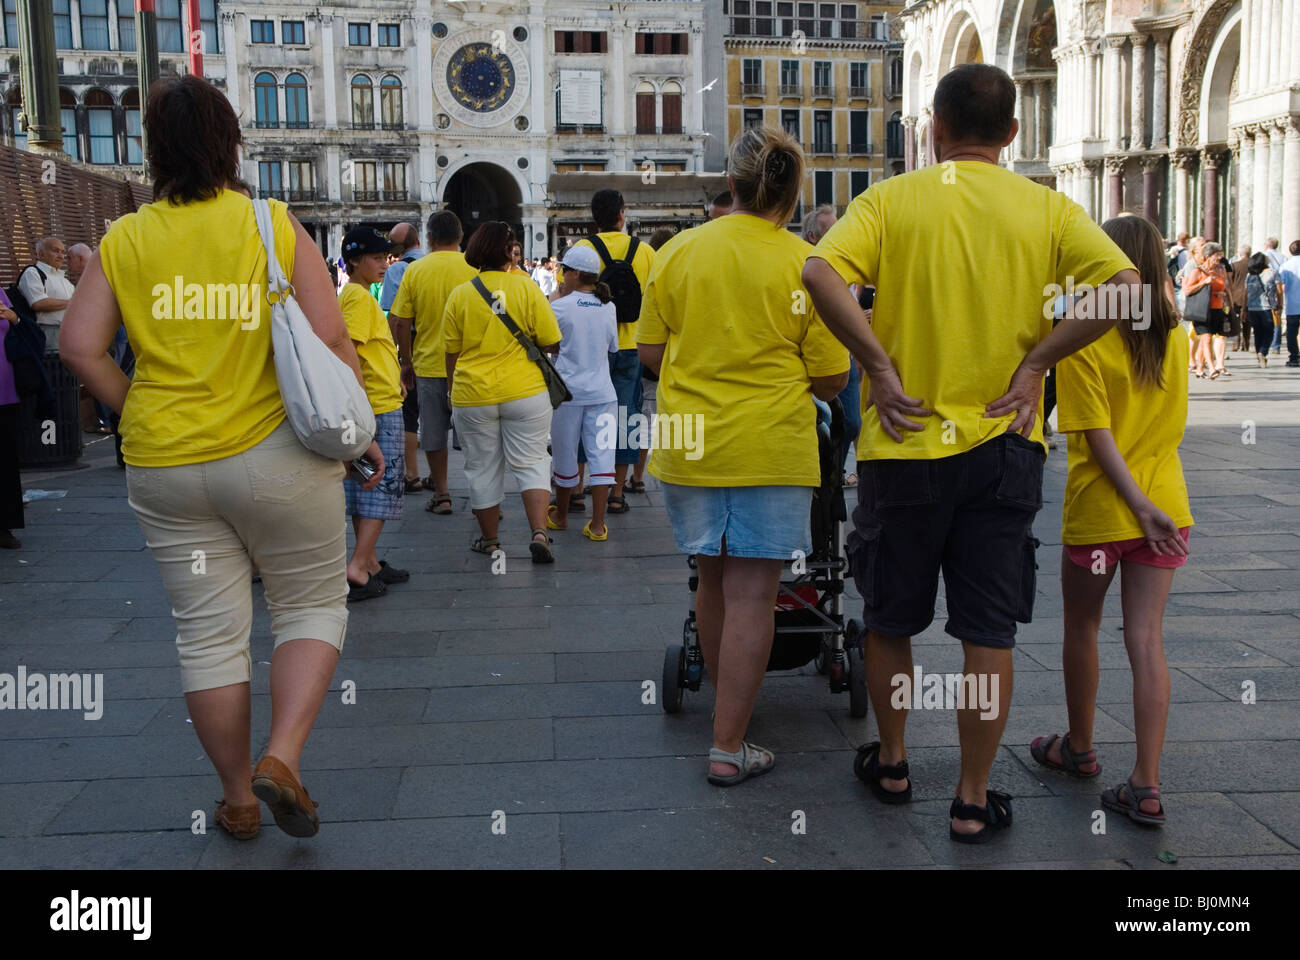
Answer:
(365, 251)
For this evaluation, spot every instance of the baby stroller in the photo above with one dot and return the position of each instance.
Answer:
(810, 625)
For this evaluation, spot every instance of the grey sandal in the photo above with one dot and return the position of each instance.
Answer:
(750, 761)
(1126, 799)
(487, 545)
(1070, 760)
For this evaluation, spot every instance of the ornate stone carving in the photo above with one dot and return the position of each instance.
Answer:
(1210, 159)
(1152, 162)
(1115, 165)
(1184, 159)
(1193, 68)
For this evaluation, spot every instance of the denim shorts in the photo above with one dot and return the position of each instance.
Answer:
(768, 522)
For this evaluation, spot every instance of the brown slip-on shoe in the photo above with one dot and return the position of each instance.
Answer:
(242, 823)
(277, 787)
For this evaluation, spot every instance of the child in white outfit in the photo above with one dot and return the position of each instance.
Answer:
(588, 335)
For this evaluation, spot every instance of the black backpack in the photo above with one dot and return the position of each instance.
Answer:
(1172, 266)
(621, 279)
(25, 343)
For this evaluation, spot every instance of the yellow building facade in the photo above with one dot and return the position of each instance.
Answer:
(830, 74)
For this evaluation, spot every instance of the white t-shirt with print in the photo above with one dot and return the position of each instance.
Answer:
(588, 335)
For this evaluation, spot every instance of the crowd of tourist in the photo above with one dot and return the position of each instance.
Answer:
(737, 321)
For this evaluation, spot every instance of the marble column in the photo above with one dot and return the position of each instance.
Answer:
(1043, 124)
(327, 42)
(1182, 162)
(1259, 218)
(1089, 178)
(1268, 46)
(1087, 64)
(1151, 168)
(1138, 137)
(1114, 186)
(1210, 192)
(909, 143)
(1160, 95)
(1018, 151)
(1249, 44)
(1276, 156)
(1291, 182)
(1114, 94)
(1060, 178)
(1245, 186)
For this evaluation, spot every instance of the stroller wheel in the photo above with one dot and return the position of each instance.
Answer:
(857, 680)
(822, 657)
(674, 664)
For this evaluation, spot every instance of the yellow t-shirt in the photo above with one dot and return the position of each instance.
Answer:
(963, 256)
(190, 282)
(376, 350)
(742, 342)
(1097, 388)
(617, 243)
(491, 366)
(422, 296)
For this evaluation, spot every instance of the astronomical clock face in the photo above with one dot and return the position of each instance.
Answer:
(481, 77)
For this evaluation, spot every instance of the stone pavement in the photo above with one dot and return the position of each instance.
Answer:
(521, 694)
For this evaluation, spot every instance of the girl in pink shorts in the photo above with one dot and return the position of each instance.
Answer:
(1123, 403)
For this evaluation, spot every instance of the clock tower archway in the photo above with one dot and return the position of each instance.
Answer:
(479, 192)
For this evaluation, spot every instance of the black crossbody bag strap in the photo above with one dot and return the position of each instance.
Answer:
(525, 341)
(632, 244)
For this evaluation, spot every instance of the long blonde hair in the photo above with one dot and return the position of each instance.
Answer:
(1141, 242)
(768, 167)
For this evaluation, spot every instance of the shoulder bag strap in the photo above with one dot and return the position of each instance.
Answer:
(525, 341)
(632, 244)
(275, 278)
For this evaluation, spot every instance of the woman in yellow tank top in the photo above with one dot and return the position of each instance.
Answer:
(216, 477)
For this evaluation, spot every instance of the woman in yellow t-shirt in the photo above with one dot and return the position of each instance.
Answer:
(216, 477)
(500, 404)
(365, 250)
(728, 327)
(1123, 399)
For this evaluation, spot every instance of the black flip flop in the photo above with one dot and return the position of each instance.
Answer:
(996, 814)
(373, 587)
(389, 574)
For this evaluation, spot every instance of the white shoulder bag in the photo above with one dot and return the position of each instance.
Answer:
(327, 408)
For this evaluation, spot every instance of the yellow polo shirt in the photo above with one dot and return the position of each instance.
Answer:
(963, 256)
(190, 282)
(1096, 388)
(369, 330)
(742, 340)
(491, 366)
(422, 296)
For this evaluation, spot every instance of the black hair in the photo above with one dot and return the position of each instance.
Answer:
(606, 205)
(192, 139)
(724, 199)
(444, 228)
(1258, 263)
(976, 102)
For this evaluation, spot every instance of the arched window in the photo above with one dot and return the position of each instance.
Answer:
(131, 111)
(99, 122)
(266, 101)
(672, 107)
(295, 102)
(645, 107)
(390, 103)
(363, 103)
(896, 74)
(68, 120)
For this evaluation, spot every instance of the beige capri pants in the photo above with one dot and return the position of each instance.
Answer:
(505, 435)
(277, 505)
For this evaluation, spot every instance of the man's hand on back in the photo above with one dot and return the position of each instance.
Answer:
(893, 406)
(1022, 396)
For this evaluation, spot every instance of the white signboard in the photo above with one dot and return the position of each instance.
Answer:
(580, 98)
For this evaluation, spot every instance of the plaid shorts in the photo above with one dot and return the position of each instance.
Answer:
(385, 501)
